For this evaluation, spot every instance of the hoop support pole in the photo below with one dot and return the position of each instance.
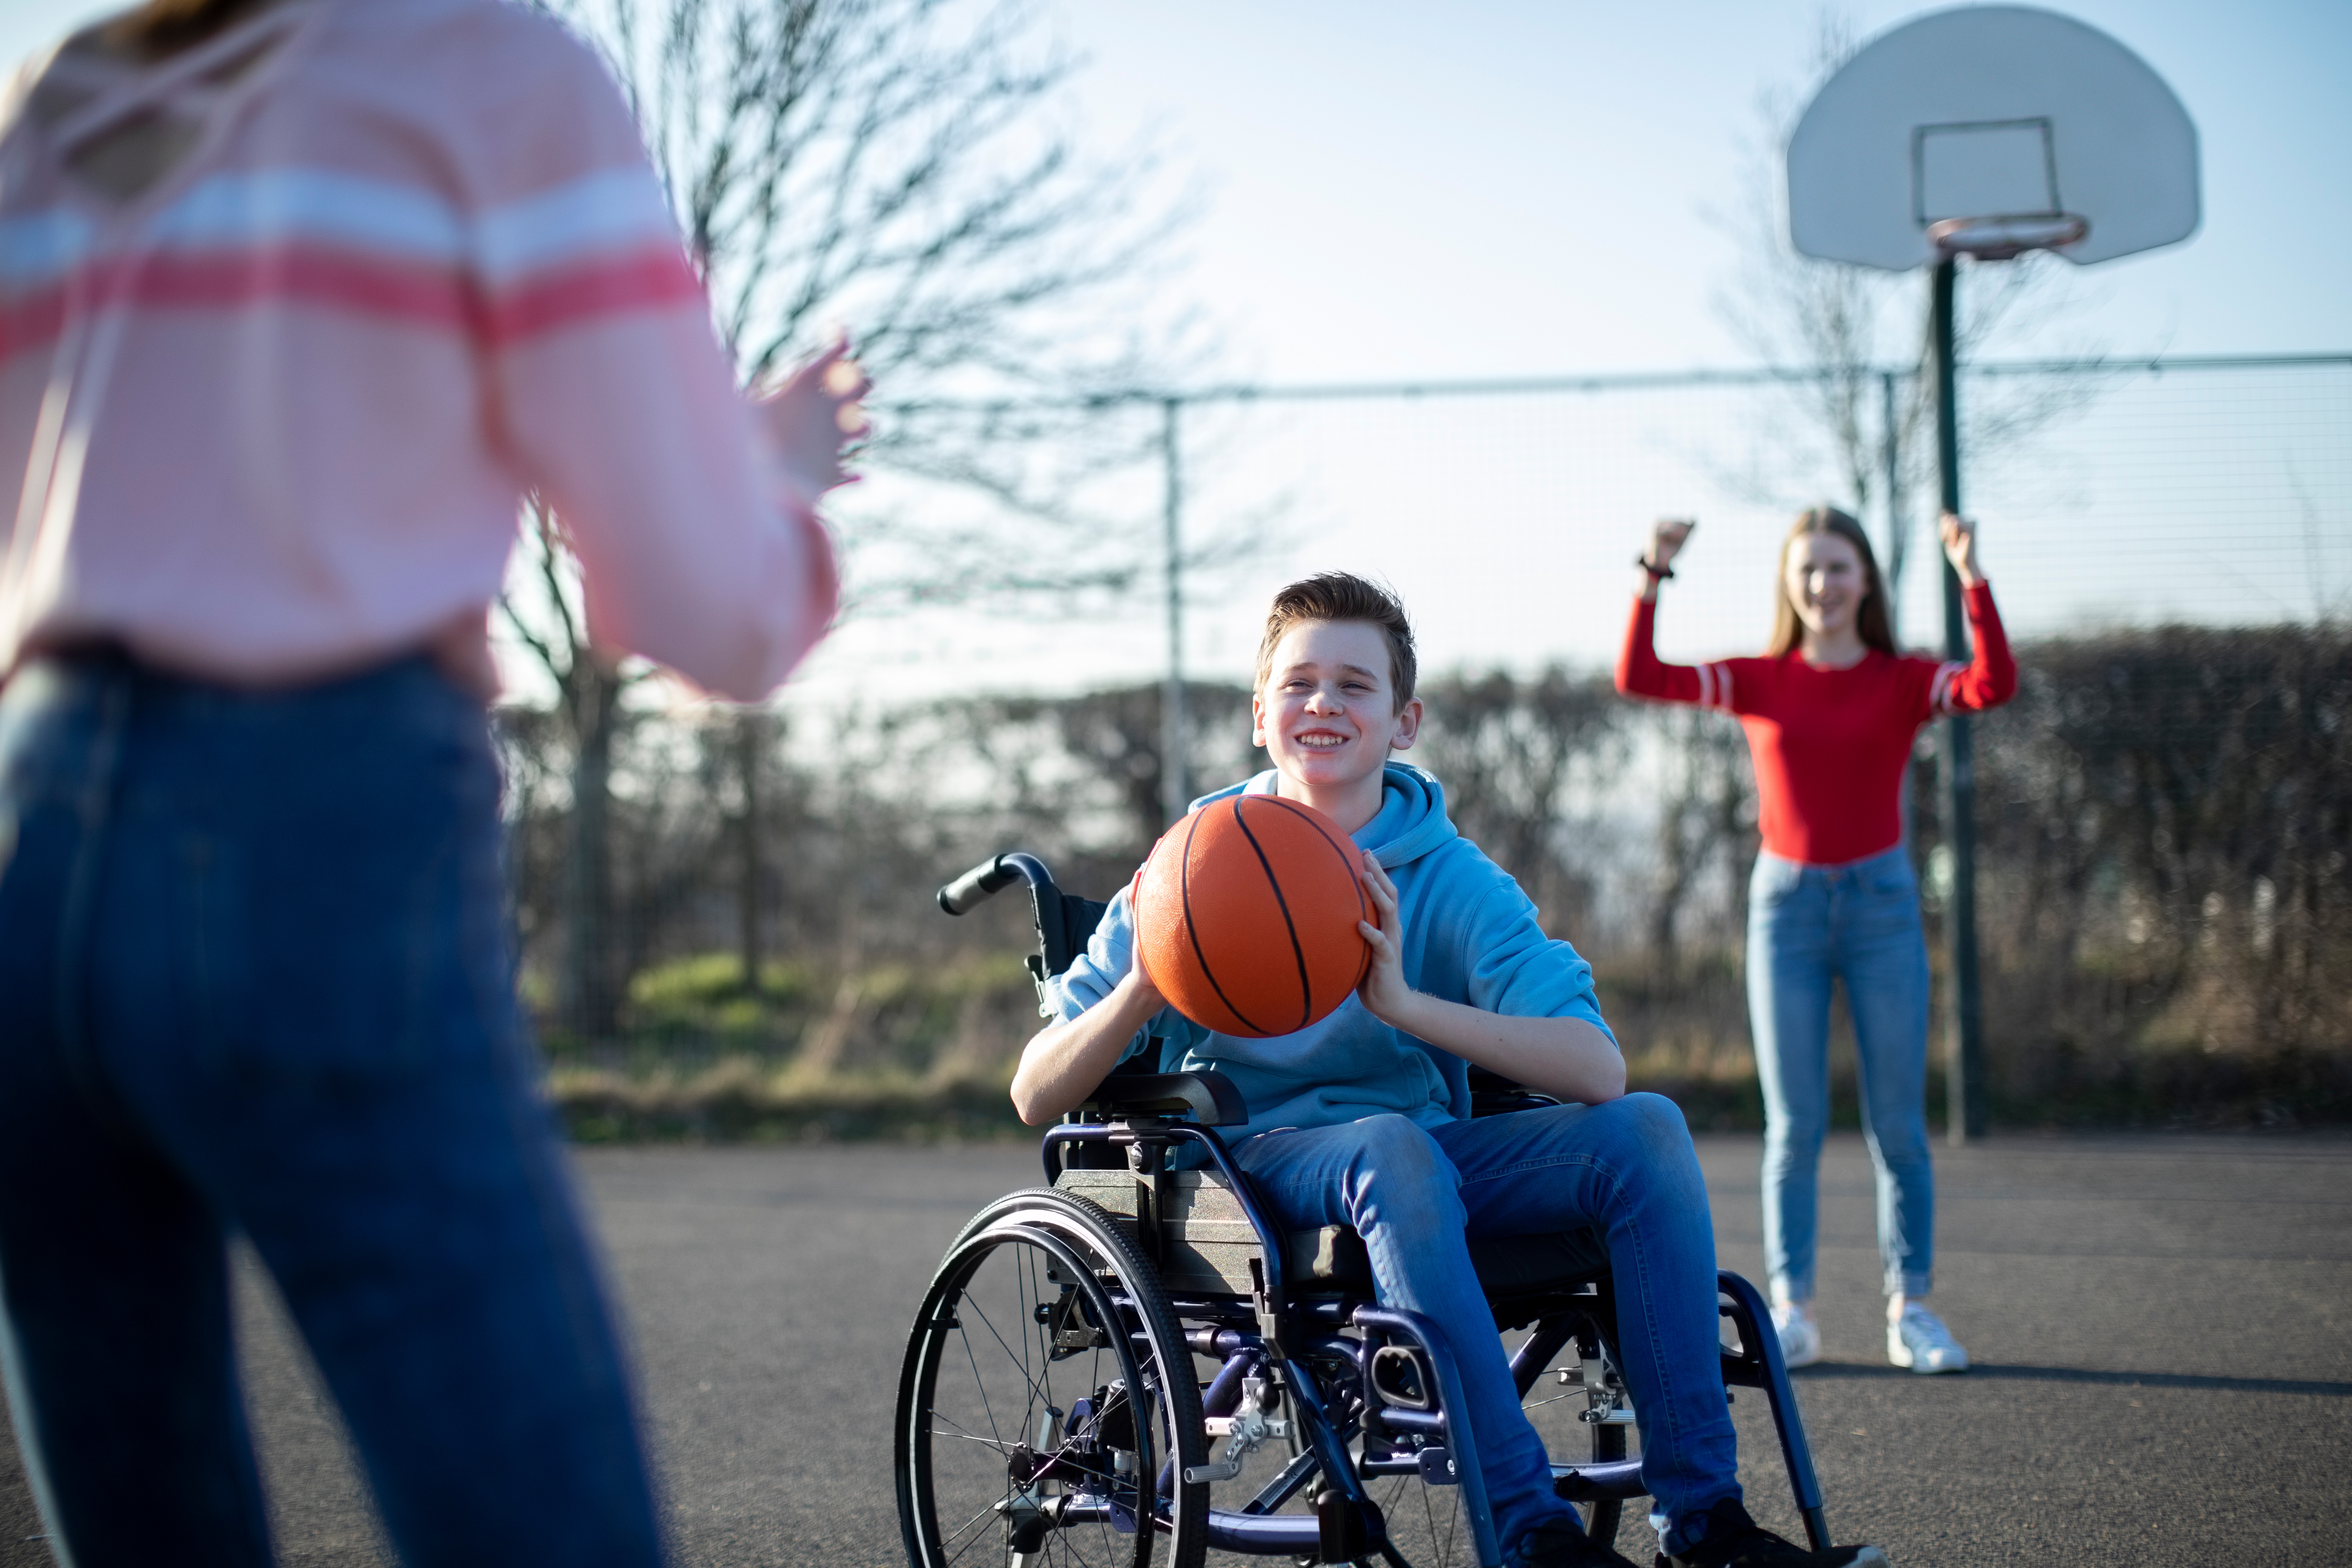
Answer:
(1964, 1070)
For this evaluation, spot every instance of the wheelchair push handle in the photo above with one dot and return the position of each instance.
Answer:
(982, 881)
(991, 878)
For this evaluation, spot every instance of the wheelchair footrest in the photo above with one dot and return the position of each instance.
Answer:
(1597, 1483)
(1296, 1535)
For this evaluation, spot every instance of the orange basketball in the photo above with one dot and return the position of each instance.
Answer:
(1246, 916)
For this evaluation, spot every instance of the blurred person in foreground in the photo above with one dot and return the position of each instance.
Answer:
(296, 302)
(1831, 713)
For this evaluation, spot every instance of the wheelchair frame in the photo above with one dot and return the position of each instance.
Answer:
(1390, 1407)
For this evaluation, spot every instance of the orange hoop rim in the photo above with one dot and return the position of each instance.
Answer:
(1999, 238)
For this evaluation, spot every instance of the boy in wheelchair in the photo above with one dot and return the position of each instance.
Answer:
(1363, 1119)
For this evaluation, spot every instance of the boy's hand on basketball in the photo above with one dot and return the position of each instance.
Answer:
(1960, 547)
(1384, 993)
(813, 419)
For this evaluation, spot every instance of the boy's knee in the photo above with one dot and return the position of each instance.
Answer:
(1394, 1149)
(1643, 1139)
(1398, 1137)
(1655, 1119)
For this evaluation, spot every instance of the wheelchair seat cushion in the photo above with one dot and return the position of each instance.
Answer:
(1529, 1265)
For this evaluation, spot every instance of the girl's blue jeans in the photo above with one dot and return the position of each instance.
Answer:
(1626, 1168)
(1807, 927)
(254, 978)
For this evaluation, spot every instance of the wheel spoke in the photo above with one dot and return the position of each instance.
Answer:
(979, 1518)
(979, 1383)
(1035, 1392)
(998, 1444)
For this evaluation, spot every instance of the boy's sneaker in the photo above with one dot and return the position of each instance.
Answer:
(1919, 1340)
(1561, 1545)
(1800, 1337)
(1735, 1541)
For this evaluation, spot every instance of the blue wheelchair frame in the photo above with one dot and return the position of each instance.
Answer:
(1401, 1385)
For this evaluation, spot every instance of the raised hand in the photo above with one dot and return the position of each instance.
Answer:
(813, 418)
(1959, 536)
(1666, 537)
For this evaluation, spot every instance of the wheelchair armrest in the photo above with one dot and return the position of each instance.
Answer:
(1209, 1097)
(1502, 1102)
(1492, 1094)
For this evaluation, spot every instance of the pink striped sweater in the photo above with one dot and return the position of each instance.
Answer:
(290, 321)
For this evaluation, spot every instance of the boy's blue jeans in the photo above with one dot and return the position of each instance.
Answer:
(254, 979)
(1626, 1168)
(1807, 927)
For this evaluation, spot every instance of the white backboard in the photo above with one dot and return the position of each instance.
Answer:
(1990, 112)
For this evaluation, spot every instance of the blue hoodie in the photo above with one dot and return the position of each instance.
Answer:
(1470, 936)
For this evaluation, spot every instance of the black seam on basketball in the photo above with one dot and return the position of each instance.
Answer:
(1184, 887)
(1355, 874)
(1306, 986)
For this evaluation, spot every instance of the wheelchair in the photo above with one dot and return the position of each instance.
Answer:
(1051, 1409)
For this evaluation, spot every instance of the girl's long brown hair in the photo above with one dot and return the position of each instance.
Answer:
(166, 27)
(1870, 620)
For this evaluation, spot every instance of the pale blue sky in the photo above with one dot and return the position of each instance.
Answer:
(1505, 185)
(1495, 188)
(1512, 186)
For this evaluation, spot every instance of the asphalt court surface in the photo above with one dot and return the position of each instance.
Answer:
(2162, 1327)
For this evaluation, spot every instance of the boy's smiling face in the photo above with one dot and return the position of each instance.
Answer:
(1327, 715)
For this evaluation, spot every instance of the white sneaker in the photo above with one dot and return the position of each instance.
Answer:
(1919, 1340)
(1800, 1337)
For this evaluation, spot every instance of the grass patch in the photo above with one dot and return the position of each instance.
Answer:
(741, 1100)
(908, 1052)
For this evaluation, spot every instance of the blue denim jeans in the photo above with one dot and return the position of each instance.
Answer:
(1626, 1168)
(1807, 926)
(254, 979)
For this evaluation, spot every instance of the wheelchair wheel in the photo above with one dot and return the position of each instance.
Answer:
(1602, 1518)
(1426, 1524)
(1047, 1409)
(1561, 1411)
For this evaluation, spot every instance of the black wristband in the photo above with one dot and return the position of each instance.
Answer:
(1657, 573)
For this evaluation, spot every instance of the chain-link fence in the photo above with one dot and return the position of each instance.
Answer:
(2164, 811)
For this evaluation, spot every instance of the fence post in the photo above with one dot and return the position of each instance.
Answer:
(1175, 790)
(1963, 1038)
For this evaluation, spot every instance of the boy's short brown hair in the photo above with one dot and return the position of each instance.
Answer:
(1343, 596)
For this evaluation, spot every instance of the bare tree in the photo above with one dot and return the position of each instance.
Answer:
(1526, 761)
(909, 169)
(906, 168)
(1707, 826)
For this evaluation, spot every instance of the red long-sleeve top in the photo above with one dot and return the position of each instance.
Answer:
(1829, 745)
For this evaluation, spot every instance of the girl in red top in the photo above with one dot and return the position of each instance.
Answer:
(1831, 713)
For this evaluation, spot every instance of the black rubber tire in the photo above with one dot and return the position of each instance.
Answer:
(1116, 1285)
(1601, 1517)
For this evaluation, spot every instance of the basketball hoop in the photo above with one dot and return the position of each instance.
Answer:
(1989, 130)
(2005, 239)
